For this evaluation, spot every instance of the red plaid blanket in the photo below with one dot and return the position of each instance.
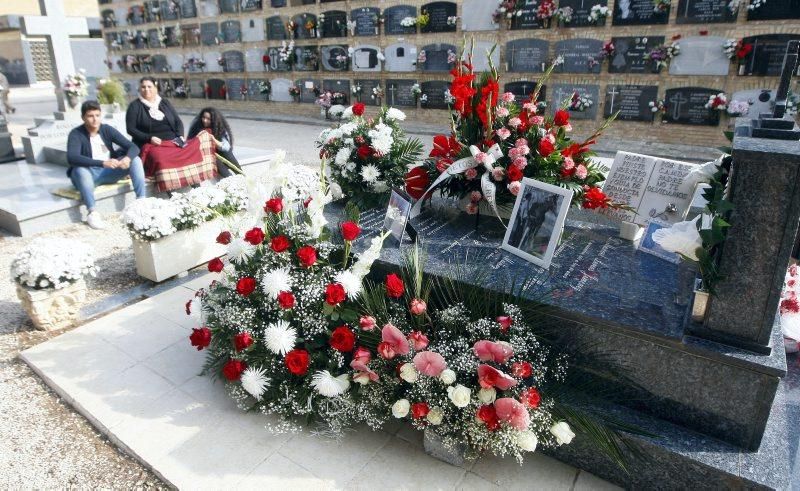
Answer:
(174, 167)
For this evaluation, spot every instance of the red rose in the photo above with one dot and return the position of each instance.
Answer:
(200, 338)
(521, 369)
(545, 147)
(233, 369)
(531, 397)
(255, 236)
(297, 361)
(488, 414)
(595, 198)
(342, 339)
(561, 118)
(242, 341)
(358, 108)
(286, 300)
(274, 205)
(419, 410)
(394, 286)
(216, 265)
(364, 152)
(505, 322)
(350, 230)
(417, 181)
(514, 173)
(279, 243)
(224, 238)
(334, 294)
(386, 350)
(245, 286)
(307, 256)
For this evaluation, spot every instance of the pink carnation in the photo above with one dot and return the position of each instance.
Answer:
(482, 157)
(581, 172)
(498, 173)
(520, 162)
(471, 173)
(568, 163)
(503, 133)
(475, 196)
(521, 142)
(507, 97)
(530, 107)
(512, 412)
(514, 153)
(502, 112)
(514, 122)
(514, 187)
(429, 363)
(537, 120)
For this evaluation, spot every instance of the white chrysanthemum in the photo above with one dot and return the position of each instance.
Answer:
(276, 281)
(280, 337)
(342, 156)
(348, 113)
(196, 308)
(255, 381)
(239, 250)
(329, 386)
(336, 110)
(350, 281)
(380, 186)
(348, 128)
(53, 263)
(370, 173)
(395, 114)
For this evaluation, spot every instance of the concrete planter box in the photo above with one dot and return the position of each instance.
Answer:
(435, 448)
(168, 256)
(52, 309)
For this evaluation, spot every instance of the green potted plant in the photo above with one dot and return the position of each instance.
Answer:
(111, 95)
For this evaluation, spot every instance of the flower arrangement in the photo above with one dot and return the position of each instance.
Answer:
(495, 143)
(265, 87)
(662, 55)
(507, 10)
(545, 10)
(598, 14)
(580, 102)
(452, 20)
(291, 28)
(790, 309)
(377, 94)
(408, 21)
(243, 91)
(738, 108)
(416, 91)
(661, 6)
(737, 49)
(295, 92)
(717, 102)
(756, 4)
(657, 106)
(76, 85)
(357, 90)
(607, 51)
(324, 100)
(53, 263)
(286, 53)
(422, 57)
(564, 15)
(368, 156)
(423, 18)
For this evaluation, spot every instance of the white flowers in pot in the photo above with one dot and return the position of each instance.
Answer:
(53, 263)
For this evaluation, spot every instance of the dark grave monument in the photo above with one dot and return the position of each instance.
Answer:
(304, 26)
(275, 63)
(687, 105)
(253, 90)
(234, 61)
(139, 40)
(440, 13)
(527, 55)
(435, 91)
(172, 38)
(250, 5)
(629, 55)
(235, 89)
(277, 3)
(338, 86)
(766, 58)
(177, 85)
(307, 58)
(637, 12)
(398, 93)
(276, 28)
(704, 12)
(228, 6)
(366, 19)
(109, 18)
(216, 89)
(560, 92)
(437, 57)
(776, 10)
(366, 95)
(580, 12)
(197, 89)
(153, 38)
(632, 102)
(777, 125)
(528, 19)
(160, 64)
(307, 89)
(191, 34)
(6, 146)
(152, 11)
(580, 55)
(136, 14)
(523, 89)
(334, 24)
(394, 15)
(231, 31)
(170, 10)
(334, 58)
(188, 9)
(208, 33)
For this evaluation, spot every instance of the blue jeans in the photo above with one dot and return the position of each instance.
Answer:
(86, 178)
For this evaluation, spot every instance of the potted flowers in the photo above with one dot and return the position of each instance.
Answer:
(49, 276)
(75, 88)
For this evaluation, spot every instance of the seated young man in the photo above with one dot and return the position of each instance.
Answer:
(93, 159)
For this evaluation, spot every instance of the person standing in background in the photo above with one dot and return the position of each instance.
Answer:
(5, 88)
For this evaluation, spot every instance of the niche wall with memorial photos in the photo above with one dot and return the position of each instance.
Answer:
(381, 51)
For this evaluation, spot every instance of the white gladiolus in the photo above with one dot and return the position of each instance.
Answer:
(562, 432)
(400, 408)
(681, 238)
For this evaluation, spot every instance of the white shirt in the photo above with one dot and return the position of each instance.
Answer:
(99, 149)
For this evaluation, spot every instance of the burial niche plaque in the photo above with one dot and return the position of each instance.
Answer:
(437, 57)
(307, 58)
(234, 61)
(564, 91)
(766, 58)
(401, 57)
(629, 54)
(580, 55)
(366, 19)
(775, 10)
(306, 26)
(231, 31)
(704, 12)
(394, 17)
(442, 17)
(580, 12)
(527, 18)
(334, 58)
(527, 55)
(309, 89)
(366, 95)
(638, 12)
(523, 89)
(365, 59)
(235, 86)
(701, 55)
(333, 24)
(276, 28)
(687, 105)
(188, 9)
(435, 94)
(229, 6)
(632, 102)
(208, 33)
(398, 93)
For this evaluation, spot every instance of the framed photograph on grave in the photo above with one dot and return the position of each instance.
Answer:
(649, 246)
(397, 214)
(537, 221)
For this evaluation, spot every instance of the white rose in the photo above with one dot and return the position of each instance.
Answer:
(409, 373)
(527, 441)
(562, 432)
(682, 238)
(487, 396)
(459, 395)
(435, 416)
(400, 408)
(447, 376)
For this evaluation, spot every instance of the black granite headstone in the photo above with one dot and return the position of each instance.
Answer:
(766, 58)
(334, 58)
(580, 55)
(160, 64)
(398, 93)
(108, 18)
(437, 57)
(136, 14)
(394, 15)
(522, 91)
(632, 102)
(775, 10)
(366, 91)
(334, 24)
(172, 38)
(234, 61)
(139, 40)
(704, 12)
(338, 87)
(234, 86)
(687, 105)
(434, 92)
(228, 6)
(306, 26)
(254, 90)
(560, 92)
(307, 58)
(275, 63)
(580, 12)
(188, 9)
(170, 9)
(527, 18)
(153, 38)
(179, 87)
(637, 12)
(629, 55)
(216, 89)
(307, 89)
(231, 31)
(440, 14)
(527, 55)
(277, 3)
(152, 11)
(366, 19)
(276, 28)
(208, 33)
(250, 5)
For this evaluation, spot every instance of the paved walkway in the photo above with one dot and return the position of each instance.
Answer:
(134, 376)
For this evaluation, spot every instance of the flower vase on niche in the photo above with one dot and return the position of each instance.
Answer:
(74, 101)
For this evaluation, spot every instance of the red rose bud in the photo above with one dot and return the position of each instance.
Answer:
(297, 361)
(279, 243)
(307, 256)
(561, 118)
(418, 306)
(242, 341)
(233, 370)
(386, 350)
(488, 414)
(419, 410)
(342, 339)
(254, 236)
(286, 300)
(505, 322)
(545, 147)
(521, 369)
(350, 230)
(224, 238)
(245, 286)
(216, 265)
(358, 108)
(394, 286)
(364, 152)
(367, 323)
(531, 397)
(200, 338)
(514, 173)
(334, 294)
(274, 205)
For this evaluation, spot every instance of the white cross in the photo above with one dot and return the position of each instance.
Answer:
(57, 27)
(613, 92)
(677, 100)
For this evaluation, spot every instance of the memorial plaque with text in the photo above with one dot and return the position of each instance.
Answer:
(234, 61)
(250, 5)
(580, 12)
(334, 58)
(395, 15)
(306, 26)
(235, 89)
(398, 93)
(277, 3)
(170, 10)
(160, 64)
(435, 91)
(231, 31)
(275, 63)
(197, 89)
(209, 8)
(307, 58)
(637, 12)
(188, 9)
(276, 28)
(629, 54)
(766, 58)
(528, 18)
(441, 15)
(280, 90)
(254, 90)
(228, 6)
(523, 89)
(366, 95)
(366, 19)
(191, 34)
(208, 33)
(527, 55)
(172, 37)
(775, 10)
(307, 89)
(561, 92)
(687, 105)
(334, 24)
(136, 15)
(632, 102)
(580, 55)
(437, 57)
(153, 38)
(704, 12)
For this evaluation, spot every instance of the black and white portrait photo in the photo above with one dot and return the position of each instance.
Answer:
(537, 221)
(397, 214)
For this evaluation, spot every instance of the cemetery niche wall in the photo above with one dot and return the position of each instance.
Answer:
(407, 42)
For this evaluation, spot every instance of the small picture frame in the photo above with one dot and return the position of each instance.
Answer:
(537, 221)
(649, 246)
(398, 214)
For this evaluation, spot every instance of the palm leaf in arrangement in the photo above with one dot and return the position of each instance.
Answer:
(408, 152)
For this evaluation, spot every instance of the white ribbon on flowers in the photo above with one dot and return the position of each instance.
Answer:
(462, 165)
